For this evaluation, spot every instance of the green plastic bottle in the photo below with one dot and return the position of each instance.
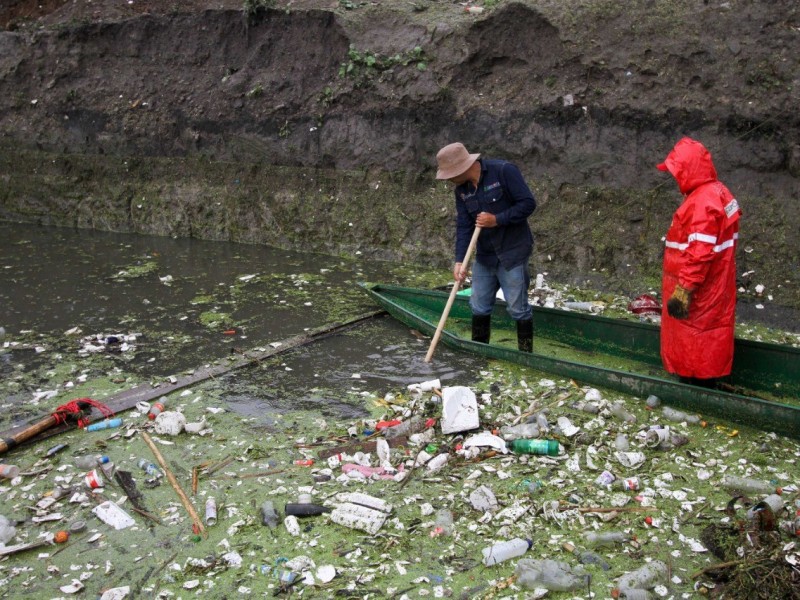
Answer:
(549, 447)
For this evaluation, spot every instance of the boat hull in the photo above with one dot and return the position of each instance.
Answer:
(770, 368)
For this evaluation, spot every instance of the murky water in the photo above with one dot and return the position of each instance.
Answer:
(192, 301)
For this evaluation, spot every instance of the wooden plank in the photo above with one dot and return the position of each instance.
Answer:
(146, 392)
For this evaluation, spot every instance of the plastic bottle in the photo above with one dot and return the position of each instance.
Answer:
(550, 574)
(523, 430)
(7, 530)
(645, 577)
(548, 447)
(444, 523)
(749, 486)
(587, 407)
(9, 471)
(149, 468)
(652, 401)
(679, 416)
(107, 424)
(618, 412)
(605, 538)
(305, 509)
(90, 462)
(586, 557)
(157, 408)
(535, 487)
(505, 550)
(541, 421)
(407, 427)
(269, 516)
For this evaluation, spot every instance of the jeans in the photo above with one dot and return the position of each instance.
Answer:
(514, 283)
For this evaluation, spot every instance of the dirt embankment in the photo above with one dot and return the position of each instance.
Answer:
(310, 124)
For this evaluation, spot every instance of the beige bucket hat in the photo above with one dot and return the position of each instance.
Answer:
(454, 160)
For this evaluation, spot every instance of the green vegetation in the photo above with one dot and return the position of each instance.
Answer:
(363, 66)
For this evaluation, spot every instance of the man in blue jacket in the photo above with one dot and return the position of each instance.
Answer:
(493, 195)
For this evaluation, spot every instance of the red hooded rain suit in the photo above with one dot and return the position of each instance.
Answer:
(700, 256)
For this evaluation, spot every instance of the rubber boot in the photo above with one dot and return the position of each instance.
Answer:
(481, 328)
(525, 335)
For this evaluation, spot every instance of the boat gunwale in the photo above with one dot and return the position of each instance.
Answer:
(721, 403)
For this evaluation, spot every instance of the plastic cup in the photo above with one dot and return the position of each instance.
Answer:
(93, 479)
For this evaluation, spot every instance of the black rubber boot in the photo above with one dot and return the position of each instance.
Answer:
(525, 335)
(704, 383)
(481, 328)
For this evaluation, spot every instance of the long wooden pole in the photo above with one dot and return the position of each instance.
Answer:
(20, 436)
(127, 399)
(470, 249)
(198, 524)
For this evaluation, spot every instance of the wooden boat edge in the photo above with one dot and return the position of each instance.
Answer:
(746, 410)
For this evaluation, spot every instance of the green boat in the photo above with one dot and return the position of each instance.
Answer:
(763, 391)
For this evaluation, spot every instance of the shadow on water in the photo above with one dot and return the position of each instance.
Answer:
(193, 301)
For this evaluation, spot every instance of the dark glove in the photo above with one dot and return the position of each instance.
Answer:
(678, 303)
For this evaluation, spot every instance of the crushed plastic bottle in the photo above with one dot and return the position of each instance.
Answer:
(444, 523)
(584, 406)
(645, 577)
(746, 485)
(652, 401)
(548, 447)
(90, 462)
(679, 416)
(586, 557)
(269, 516)
(618, 412)
(535, 487)
(407, 427)
(8, 471)
(605, 538)
(550, 574)
(505, 550)
(541, 421)
(7, 530)
(523, 430)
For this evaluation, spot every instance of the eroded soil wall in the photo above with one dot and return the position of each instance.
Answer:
(317, 128)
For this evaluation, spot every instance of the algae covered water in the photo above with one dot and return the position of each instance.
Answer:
(171, 305)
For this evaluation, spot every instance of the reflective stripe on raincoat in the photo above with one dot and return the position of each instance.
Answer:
(700, 256)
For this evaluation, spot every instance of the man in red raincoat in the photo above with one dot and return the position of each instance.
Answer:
(699, 281)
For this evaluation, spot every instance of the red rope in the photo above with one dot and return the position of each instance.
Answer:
(73, 407)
